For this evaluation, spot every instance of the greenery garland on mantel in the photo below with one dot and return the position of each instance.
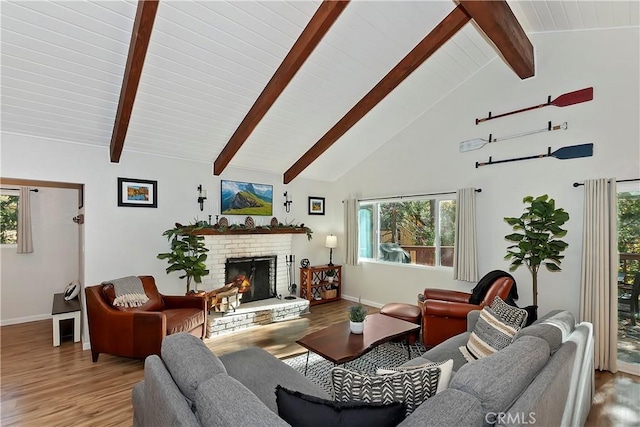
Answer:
(215, 229)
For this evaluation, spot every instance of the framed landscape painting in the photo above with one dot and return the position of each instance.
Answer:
(137, 193)
(316, 205)
(245, 198)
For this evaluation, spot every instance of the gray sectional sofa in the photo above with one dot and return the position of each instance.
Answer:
(545, 378)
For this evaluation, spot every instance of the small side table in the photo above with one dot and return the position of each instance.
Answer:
(62, 310)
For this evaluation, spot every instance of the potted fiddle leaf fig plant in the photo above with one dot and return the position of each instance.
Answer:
(188, 254)
(536, 238)
(357, 314)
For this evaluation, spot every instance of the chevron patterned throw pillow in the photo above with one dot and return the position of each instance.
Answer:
(446, 369)
(411, 387)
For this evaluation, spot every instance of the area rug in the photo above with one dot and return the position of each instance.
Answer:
(386, 355)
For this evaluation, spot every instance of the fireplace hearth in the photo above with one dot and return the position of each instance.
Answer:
(255, 277)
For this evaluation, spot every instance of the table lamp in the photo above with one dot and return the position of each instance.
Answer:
(331, 242)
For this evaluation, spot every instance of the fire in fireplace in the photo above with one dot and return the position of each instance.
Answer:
(255, 277)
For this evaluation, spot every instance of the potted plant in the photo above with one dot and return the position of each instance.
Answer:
(535, 238)
(188, 253)
(357, 314)
(330, 275)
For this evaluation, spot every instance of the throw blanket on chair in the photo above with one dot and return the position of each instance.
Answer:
(478, 293)
(129, 291)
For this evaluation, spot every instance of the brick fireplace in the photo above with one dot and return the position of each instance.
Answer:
(223, 246)
(245, 246)
(254, 276)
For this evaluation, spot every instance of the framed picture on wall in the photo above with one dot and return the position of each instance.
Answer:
(316, 205)
(245, 198)
(137, 193)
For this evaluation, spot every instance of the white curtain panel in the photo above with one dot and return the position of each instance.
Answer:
(598, 284)
(351, 231)
(465, 256)
(25, 239)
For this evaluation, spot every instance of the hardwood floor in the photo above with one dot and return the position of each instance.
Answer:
(616, 402)
(42, 385)
(279, 339)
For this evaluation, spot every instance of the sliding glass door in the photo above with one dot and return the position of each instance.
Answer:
(628, 277)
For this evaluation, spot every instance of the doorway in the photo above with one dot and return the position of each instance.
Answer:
(29, 280)
(628, 277)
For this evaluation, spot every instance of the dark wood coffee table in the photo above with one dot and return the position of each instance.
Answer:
(338, 345)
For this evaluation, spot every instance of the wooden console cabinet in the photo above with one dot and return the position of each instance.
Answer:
(315, 286)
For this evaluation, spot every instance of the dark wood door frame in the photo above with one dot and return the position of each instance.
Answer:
(50, 184)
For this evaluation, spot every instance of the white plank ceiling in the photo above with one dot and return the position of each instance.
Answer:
(63, 62)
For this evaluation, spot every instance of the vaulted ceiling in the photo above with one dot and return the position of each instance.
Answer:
(208, 61)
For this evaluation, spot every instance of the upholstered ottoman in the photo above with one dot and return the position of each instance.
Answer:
(407, 312)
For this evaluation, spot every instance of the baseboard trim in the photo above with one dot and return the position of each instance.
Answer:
(27, 319)
(364, 301)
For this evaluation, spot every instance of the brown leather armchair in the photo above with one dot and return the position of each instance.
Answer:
(444, 312)
(138, 332)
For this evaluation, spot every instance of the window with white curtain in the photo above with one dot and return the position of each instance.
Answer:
(419, 231)
(9, 200)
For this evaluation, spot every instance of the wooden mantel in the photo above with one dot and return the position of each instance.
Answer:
(214, 232)
(209, 230)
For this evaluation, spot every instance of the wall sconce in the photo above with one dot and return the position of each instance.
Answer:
(287, 202)
(202, 196)
(331, 242)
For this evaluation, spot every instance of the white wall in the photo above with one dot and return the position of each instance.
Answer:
(30, 280)
(424, 158)
(121, 241)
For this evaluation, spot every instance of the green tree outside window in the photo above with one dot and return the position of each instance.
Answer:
(8, 219)
(629, 231)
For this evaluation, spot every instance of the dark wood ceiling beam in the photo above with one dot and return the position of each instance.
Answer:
(431, 43)
(140, 35)
(315, 30)
(498, 22)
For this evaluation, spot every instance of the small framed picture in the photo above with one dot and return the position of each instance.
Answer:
(137, 193)
(316, 205)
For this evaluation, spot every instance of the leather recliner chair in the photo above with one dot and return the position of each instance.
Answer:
(444, 312)
(138, 332)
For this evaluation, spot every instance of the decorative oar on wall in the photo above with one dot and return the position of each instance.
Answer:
(564, 153)
(476, 144)
(571, 98)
